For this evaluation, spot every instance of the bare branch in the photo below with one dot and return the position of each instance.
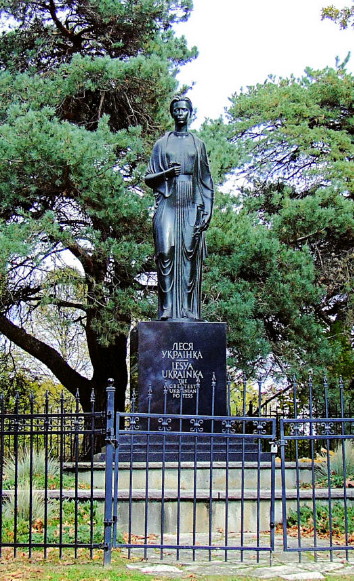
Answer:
(69, 378)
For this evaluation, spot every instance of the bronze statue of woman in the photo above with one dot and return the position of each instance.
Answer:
(180, 177)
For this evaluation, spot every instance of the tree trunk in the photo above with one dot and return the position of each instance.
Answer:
(108, 362)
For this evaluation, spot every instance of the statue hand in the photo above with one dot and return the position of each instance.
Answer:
(198, 229)
(174, 170)
(205, 221)
(202, 222)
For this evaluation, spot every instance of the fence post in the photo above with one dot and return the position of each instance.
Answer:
(110, 437)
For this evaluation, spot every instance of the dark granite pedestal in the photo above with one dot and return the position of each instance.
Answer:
(182, 373)
(182, 360)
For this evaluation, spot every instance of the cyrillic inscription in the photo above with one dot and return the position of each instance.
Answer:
(183, 357)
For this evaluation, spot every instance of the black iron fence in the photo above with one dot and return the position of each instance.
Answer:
(48, 499)
(181, 483)
(57, 424)
(318, 511)
(288, 397)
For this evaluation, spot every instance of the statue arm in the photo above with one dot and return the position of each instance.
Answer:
(153, 180)
(157, 172)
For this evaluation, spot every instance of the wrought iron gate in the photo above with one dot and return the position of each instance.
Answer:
(174, 490)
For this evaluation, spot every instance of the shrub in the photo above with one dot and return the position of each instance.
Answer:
(81, 523)
(306, 520)
(28, 505)
(41, 462)
(337, 467)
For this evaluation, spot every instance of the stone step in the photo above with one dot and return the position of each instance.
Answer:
(155, 447)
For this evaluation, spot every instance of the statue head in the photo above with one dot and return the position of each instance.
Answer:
(179, 98)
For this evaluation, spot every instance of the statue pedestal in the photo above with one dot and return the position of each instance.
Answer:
(182, 368)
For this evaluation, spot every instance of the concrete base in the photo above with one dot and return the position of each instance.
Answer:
(153, 491)
(200, 472)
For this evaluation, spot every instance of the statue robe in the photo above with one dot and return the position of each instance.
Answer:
(182, 213)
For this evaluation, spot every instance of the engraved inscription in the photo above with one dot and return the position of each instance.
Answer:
(183, 369)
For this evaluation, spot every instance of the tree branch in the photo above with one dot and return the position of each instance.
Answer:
(70, 379)
(81, 255)
(57, 21)
(68, 304)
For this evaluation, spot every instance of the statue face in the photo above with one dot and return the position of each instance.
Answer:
(180, 112)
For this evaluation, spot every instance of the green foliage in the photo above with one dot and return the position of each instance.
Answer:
(342, 16)
(264, 289)
(339, 464)
(243, 399)
(40, 468)
(24, 388)
(28, 505)
(49, 34)
(31, 471)
(14, 382)
(85, 88)
(30, 465)
(323, 525)
(85, 514)
(283, 242)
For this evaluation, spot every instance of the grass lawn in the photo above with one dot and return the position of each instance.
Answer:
(67, 568)
(85, 569)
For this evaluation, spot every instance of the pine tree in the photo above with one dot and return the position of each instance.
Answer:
(84, 90)
(342, 16)
(281, 251)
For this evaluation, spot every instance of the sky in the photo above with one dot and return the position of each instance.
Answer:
(241, 42)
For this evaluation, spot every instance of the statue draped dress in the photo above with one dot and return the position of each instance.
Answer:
(183, 204)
